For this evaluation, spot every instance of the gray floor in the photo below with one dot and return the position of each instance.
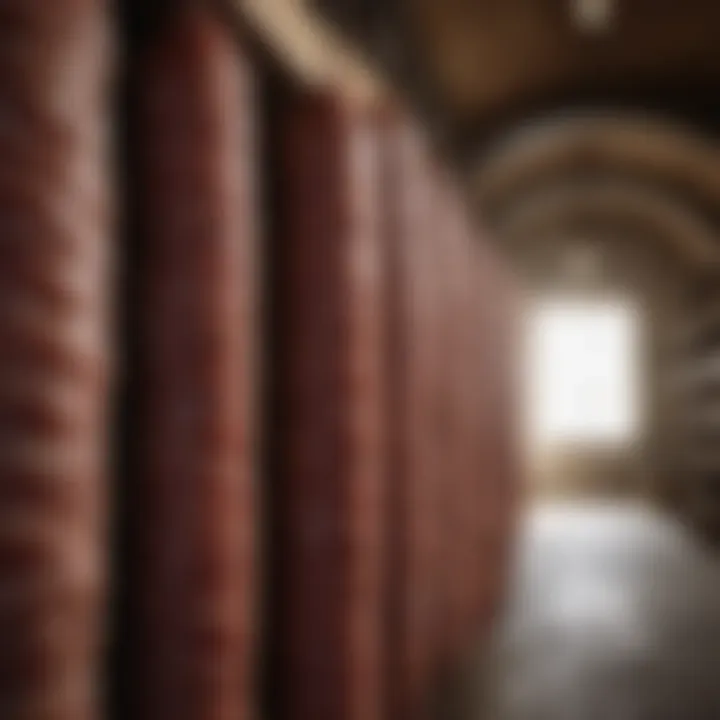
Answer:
(615, 615)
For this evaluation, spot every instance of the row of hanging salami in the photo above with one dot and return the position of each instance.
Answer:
(394, 498)
(308, 442)
(452, 505)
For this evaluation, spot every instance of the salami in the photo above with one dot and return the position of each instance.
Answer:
(498, 429)
(412, 591)
(192, 570)
(331, 485)
(55, 62)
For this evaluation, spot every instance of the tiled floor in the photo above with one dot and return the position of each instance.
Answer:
(615, 615)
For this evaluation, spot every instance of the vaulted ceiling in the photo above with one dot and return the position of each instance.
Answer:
(485, 62)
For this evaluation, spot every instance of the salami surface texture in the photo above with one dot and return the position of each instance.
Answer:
(193, 499)
(332, 500)
(55, 62)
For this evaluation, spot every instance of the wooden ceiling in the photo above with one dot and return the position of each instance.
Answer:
(475, 65)
(490, 56)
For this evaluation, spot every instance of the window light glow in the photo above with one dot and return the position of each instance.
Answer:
(583, 372)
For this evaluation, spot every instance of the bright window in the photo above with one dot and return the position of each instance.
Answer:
(583, 372)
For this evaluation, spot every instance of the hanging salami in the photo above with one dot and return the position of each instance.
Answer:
(192, 501)
(55, 60)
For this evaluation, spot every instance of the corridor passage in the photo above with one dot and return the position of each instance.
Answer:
(613, 616)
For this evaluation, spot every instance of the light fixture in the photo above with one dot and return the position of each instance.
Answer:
(593, 16)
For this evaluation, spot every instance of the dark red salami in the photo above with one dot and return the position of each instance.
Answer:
(485, 495)
(331, 377)
(458, 382)
(499, 449)
(413, 591)
(467, 375)
(192, 575)
(54, 354)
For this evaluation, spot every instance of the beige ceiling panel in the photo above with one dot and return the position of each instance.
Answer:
(310, 45)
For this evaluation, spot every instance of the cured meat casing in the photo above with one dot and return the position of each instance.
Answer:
(55, 61)
(194, 502)
(332, 379)
(413, 450)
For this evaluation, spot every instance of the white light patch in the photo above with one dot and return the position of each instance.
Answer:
(583, 373)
